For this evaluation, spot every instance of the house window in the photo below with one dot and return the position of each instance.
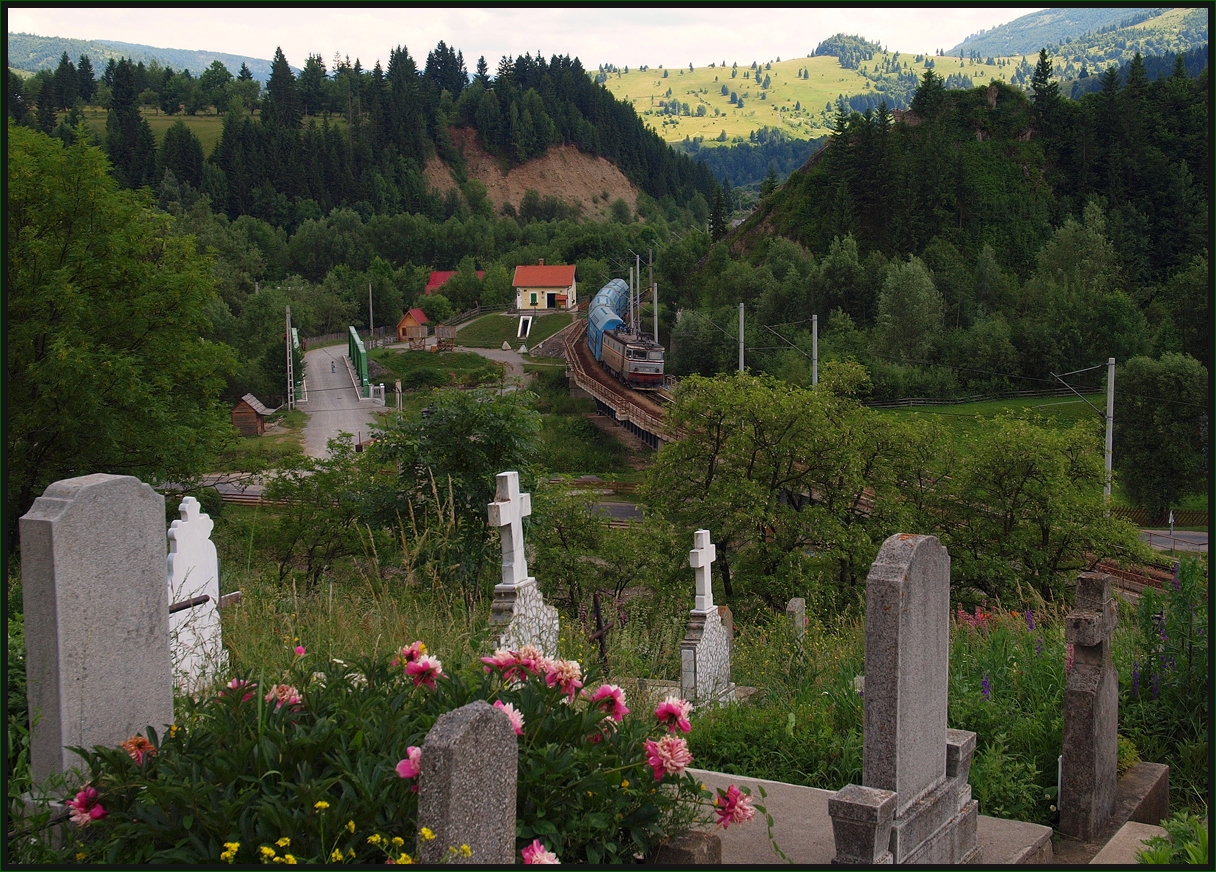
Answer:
(533, 299)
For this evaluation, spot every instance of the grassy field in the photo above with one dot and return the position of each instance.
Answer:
(703, 87)
(1063, 412)
(426, 369)
(490, 331)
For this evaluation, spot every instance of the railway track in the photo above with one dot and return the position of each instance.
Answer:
(629, 406)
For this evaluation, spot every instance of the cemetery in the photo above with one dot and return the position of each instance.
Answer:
(514, 753)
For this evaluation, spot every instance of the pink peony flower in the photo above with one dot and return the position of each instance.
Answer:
(136, 747)
(425, 670)
(565, 674)
(612, 700)
(408, 654)
(85, 808)
(536, 853)
(674, 712)
(300, 650)
(733, 807)
(668, 756)
(411, 766)
(517, 718)
(283, 694)
(241, 684)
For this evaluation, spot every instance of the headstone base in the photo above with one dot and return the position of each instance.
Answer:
(527, 620)
(705, 660)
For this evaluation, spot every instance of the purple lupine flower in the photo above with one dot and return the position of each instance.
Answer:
(987, 688)
(1029, 619)
(1156, 686)
(1135, 679)
(1038, 646)
(1177, 583)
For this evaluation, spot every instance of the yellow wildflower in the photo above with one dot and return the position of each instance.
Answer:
(173, 728)
(350, 826)
(289, 859)
(350, 852)
(320, 805)
(336, 856)
(266, 851)
(398, 841)
(283, 842)
(427, 834)
(405, 859)
(465, 851)
(80, 856)
(374, 839)
(625, 784)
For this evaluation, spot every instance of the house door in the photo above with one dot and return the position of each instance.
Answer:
(551, 301)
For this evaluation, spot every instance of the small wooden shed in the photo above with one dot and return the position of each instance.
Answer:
(249, 416)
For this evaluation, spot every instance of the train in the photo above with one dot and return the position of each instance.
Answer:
(631, 356)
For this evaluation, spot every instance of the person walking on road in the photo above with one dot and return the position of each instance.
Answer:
(333, 366)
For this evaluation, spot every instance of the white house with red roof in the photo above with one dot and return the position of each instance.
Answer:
(545, 287)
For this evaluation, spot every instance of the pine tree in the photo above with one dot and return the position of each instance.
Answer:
(483, 72)
(245, 75)
(282, 104)
(67, 83)
(717, 217)
(84, 72)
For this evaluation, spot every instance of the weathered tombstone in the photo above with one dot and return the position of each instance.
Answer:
(705, 649)
(195, 639)
(518, 604)
(1091, 712)
(466, 789)
(795, 611)
(96, 630)
(913, 767)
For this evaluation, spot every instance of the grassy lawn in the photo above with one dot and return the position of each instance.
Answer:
(255, 453)
(1062, 412)
(490, 331)
(427, 369)
(703, 87)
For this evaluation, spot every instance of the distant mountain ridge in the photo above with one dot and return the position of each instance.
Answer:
(1028, 34)
(27, 51)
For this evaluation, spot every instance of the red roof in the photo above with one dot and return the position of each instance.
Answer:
(439, 277)
(543, 277)
(418, 315)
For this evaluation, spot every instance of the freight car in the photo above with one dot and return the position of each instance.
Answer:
(630, 356)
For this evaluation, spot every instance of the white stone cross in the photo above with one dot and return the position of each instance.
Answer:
(700, 558)
(508, 510)
(193, 570)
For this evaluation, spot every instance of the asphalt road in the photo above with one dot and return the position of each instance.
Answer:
(334, 405)
(1183, 540)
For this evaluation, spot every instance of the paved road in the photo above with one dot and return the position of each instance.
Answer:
(1182, 540)
(334, 405)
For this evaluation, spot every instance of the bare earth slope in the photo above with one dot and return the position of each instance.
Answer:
(563, 172)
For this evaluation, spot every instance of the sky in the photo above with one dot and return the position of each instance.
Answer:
(624, 36)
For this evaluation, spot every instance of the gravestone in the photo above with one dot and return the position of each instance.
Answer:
(1091, 712)
(195, 640)
(518, 605)
(795, 611)
(914, 769)
(466, 789)
(96, 630)
(705, 649)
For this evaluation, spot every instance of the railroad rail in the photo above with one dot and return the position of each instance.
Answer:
(641, 416)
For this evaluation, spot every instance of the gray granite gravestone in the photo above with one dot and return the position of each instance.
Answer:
(913, 767)
(1091, 712)
(518, 605)
(195, 639)
(705, 649)
(96, 617)
(795, 611)
(466, 789)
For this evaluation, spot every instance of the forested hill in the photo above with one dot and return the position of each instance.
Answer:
(27, 51)
(351, 137)
(1028, 34)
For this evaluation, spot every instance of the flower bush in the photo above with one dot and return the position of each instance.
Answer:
(321, 765)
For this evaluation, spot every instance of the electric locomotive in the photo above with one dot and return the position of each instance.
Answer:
(629, 355)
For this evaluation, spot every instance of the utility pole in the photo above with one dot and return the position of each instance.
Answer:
(740, 337)
(291, 381)
(631, 298)
(637, 330)
(814, 350)
(370, 328)
(654, 292)
(1110, 421)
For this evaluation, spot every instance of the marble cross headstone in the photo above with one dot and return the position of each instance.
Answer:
(507, 513)
(518, 604)
(194, 632)
(701, 558)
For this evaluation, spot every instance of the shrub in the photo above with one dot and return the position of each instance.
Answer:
(322, 767)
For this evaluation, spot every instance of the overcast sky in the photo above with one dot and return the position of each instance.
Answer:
(628, 36)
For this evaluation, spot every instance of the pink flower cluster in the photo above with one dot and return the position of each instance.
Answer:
(674, 712)
(283, 694)
(733, 807)
(611, 699)
(536, 854)
(239, 684)
(85, 808)
(517, 718)
(978, 621)
(425, 670)
(408, 654)
(411, 766)
(518, 666)
(668, 756)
